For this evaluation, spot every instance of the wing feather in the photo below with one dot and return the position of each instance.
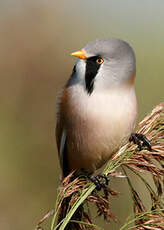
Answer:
(61, 135)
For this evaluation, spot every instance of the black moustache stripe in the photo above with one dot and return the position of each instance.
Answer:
(92, 68)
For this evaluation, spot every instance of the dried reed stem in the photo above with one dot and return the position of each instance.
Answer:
(82, 193)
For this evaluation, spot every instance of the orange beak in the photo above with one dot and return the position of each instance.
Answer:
(80, 54)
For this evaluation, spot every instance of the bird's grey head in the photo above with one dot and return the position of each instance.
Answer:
(104, 64)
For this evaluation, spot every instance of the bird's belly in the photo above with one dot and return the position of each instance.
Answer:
(99, 131)
(98, 141)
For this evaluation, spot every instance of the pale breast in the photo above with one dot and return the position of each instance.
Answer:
(98, 124)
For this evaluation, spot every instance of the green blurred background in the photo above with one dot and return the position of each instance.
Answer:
(36, 39)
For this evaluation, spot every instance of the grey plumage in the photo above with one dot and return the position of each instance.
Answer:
(98, 123)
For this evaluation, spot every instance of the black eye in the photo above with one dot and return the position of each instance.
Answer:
(99, 60)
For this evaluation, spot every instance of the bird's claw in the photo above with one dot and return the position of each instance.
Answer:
(101, 181)
(141, 140)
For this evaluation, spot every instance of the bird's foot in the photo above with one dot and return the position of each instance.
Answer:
(101, 181)
(141, 140)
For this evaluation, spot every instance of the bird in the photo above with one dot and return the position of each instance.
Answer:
(97, 107)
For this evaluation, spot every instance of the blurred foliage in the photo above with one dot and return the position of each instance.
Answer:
(36, 38)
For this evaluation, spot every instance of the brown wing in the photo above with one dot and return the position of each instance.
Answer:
(61, 133)
(62, 102)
